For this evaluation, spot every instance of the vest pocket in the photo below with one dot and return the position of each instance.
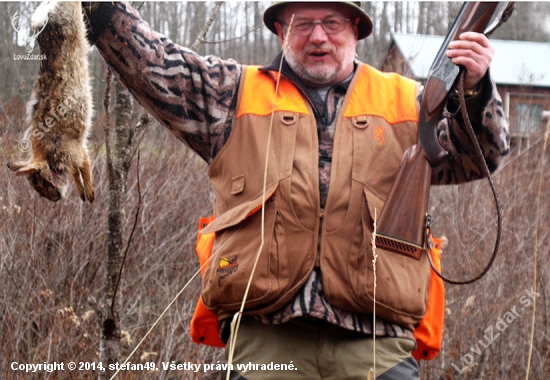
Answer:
(402, 282)
(233, 255)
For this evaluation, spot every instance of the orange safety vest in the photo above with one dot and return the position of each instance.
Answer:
(378, 123)
(429, 333)
(204, 328)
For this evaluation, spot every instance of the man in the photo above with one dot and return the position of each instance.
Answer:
(338, 133)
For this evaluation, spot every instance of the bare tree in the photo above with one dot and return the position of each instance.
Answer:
(116, 154)
(119, 155)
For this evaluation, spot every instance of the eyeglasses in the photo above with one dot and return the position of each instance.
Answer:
(330, 25)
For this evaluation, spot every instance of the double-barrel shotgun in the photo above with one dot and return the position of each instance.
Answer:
(404, 222)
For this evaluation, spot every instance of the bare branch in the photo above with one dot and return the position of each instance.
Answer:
(233, 38)
(141, 127)
(207, 25)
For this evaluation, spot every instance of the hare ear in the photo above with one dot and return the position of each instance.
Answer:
(16, 165)
(28, 169)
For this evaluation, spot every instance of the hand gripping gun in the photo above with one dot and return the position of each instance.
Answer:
(443, 74)
(404, 223)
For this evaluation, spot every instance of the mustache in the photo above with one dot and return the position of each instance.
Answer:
(325, 49)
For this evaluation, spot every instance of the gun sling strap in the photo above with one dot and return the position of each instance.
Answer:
(483, 165)
(502, 15)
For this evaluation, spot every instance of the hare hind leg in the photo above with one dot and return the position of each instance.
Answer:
(78, 182)
(86, 173)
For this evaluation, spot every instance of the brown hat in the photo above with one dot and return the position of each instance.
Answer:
(364, 27)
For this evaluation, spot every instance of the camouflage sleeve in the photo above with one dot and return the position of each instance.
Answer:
(487, 117)
(193, 96)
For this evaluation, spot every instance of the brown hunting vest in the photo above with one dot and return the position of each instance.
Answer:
(377, 123)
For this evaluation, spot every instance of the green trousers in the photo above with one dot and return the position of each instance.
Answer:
(313, 349)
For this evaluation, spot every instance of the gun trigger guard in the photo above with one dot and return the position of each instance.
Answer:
(452, 115)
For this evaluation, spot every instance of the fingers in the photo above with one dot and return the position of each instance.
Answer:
(475, 53)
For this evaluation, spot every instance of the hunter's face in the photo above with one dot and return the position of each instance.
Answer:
(321, 43)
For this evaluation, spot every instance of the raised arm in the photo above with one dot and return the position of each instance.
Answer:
(474, 52)
(193, 96)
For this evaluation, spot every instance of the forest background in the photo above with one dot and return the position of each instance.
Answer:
(53, 255)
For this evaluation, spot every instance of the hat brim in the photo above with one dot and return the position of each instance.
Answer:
(364, 27)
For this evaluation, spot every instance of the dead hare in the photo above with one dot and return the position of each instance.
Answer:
(60, 109)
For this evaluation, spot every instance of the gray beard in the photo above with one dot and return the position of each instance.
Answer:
(309, 75)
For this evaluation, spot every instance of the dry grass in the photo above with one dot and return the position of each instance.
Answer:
(52, 270)
(466, 215)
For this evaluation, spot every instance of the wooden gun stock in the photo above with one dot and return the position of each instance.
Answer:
(406, 208)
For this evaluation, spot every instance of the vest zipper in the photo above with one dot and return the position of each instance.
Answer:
(318, 253)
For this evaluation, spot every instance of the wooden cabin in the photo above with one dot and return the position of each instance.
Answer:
(519, 68)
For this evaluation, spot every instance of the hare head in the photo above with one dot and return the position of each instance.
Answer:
(49, 176)
(41, 178)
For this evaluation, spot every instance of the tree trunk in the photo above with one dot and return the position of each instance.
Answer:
(118, 154)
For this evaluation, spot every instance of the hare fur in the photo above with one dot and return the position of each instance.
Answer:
(60, 109)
